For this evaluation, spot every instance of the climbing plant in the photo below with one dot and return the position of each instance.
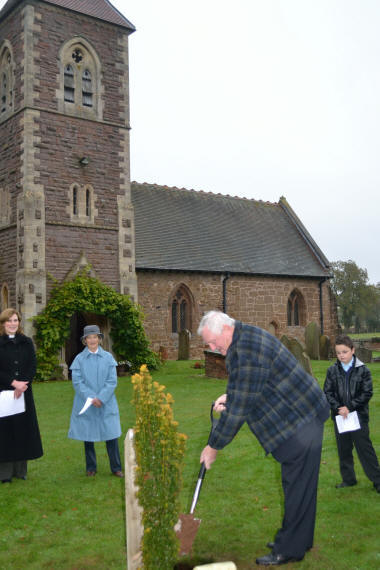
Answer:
(88, 294)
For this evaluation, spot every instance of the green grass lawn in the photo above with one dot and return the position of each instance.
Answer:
(358, 336)
(60, 519)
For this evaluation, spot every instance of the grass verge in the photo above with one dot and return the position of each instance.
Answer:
(60, 519)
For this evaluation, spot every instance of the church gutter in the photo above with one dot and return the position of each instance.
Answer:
(224, 286)
(321, 302)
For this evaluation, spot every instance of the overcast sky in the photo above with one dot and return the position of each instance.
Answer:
(262, 99)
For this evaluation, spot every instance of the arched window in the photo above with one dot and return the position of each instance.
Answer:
(4, 297)
(181, 310)
(175, 316)
(295, 309)
(80, 83)
(69, 84)
(82, 204)
(5, 210)
(88, 202)
(4, 90)
(87, 88)
(6, 80)
(75, 200)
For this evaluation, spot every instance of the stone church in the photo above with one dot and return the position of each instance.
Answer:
(66, 199)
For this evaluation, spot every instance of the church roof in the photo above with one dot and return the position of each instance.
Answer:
(101, 9)
(188, 230)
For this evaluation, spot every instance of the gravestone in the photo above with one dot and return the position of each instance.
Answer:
(184, 345)
(324, 347)
(215, 364)
(364, 354)
(286, 341)
(133, 511)
(312, 334)
(298, 350)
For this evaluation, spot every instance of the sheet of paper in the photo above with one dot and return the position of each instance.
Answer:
(351, 423)
(9, 405)
(86, 405)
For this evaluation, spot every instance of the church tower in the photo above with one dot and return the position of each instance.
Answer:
(64, 149)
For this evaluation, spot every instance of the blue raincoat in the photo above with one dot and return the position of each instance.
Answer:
(94, 376)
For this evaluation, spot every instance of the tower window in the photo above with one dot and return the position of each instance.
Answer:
(6, 80)
(88, 202)
(4, 84)
(75, 200)
(82, 204)
(69, 84)
(86, 88)
(79, 79)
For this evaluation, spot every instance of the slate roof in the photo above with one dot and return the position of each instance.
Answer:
(179, 229)
(101, 9)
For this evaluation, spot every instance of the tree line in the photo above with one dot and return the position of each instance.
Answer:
(358, 300)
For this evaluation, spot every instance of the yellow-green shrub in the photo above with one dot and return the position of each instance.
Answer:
(159, 455)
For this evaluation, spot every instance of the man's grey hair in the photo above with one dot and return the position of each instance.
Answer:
(215, 321)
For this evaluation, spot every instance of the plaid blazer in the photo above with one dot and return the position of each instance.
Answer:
(267, 388)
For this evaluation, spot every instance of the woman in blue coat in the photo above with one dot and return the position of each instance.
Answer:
(95, 415)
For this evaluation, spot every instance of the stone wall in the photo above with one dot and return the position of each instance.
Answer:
(260, 301)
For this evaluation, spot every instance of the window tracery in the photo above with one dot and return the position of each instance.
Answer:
(80, 79)
(6, 80)
(181, 310)
(295, 309)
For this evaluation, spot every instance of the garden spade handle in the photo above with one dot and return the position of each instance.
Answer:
(202, 470)
(198, 486)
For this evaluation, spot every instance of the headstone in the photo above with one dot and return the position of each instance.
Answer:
(133, 511)
(215, 364)
(184, 345)
(298, 350)
(286, 341)
(364, 354)
(312, 334)
(324, 347)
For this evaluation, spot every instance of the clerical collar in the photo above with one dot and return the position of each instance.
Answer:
(11, 335)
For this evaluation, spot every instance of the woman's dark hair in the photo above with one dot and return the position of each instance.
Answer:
(344, 339)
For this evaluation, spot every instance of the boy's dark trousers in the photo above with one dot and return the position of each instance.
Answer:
(366, 453)
(113, 455)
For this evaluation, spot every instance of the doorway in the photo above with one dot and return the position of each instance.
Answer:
(78, 321)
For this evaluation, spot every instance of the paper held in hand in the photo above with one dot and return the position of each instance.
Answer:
(87, 404)
(9, 405)
(350, 423)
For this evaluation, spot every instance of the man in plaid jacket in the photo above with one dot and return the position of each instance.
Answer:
(285, 409)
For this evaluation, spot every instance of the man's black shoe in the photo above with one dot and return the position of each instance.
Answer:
(344, 484)
(276, 559)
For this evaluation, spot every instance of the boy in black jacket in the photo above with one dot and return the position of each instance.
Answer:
(348, 388)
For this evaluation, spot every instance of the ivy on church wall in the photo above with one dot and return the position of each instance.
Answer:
(88, 294)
